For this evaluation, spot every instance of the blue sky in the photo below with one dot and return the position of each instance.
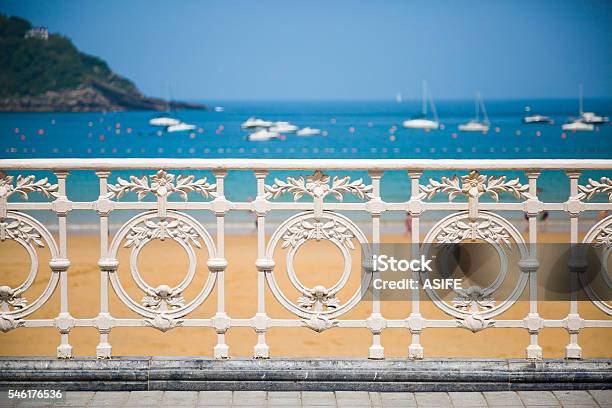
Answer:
(252, 50)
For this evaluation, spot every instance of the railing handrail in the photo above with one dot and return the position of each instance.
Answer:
(303, 164)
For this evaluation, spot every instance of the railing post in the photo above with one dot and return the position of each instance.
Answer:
(415, 321)
(64, 322)
(261, 322)
(376, 322)
(573, 349)
(221, 321)
(104, 321)
(533, 321)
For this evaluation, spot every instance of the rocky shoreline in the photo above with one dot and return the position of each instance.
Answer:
(91, 98)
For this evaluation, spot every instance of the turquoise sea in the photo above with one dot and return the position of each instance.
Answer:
(366, 129)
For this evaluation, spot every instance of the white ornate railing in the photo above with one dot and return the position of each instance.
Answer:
(164, 308)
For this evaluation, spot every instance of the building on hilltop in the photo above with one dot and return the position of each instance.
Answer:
(40, 33)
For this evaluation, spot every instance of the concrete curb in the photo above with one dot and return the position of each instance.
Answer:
(185, 373)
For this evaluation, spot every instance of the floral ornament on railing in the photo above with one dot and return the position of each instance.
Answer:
(473, 299)
(604, 238)
(319, 323)
(9, 298)
(318, 230)
(166, 228)
(162, 185)
(475, 185)
(25, 185)
(318, 299)
(603, 186)
(163, 322)
(163, 299)
(486, 230)
(318, 185)
(8, 323)
(18, 230)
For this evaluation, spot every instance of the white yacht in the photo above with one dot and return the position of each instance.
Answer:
(582, 124)
(255, 123)
(423, 122)
(308, 131)
(283, 127)
(537, 119)
(578, 125)
(263, 135)
(475, 125)
(180, 127)
(164, 121)
(591, 117)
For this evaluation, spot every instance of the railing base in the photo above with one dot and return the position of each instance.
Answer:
(175, 373)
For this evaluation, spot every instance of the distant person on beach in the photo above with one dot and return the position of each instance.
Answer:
(408, 224)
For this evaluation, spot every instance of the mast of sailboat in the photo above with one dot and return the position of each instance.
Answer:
(484, 110)
(424, 98)
(477, 106)
(432, 105)
(580, 103)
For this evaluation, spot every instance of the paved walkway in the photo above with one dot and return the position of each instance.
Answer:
(340, 399)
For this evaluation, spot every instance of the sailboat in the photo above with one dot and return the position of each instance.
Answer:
(475, 125)
(585, 121)
(422, 122)
(165, 119)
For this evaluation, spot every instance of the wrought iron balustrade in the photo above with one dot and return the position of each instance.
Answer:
(320, 214)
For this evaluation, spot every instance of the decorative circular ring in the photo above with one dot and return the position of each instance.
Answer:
(179, 227)
(483, 230)
(29, 233)
(601, 234)
(303, 227)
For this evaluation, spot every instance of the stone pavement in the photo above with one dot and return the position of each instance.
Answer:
(340, 399)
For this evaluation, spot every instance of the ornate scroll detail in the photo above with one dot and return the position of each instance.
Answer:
(603, 239)
(603, 186)
(318, 185)
(8, 323)
(475, 323)
(8, 297)
(318, 299)
(475, 185)
(319, 323)
(25, 185)
(162, 185)
(163, 322)
(163, 299)
(165, 228)
(473, 299)
(317, 230)
(485, 229)
(18, 230)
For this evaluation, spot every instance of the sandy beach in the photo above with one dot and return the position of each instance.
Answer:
(165, 262)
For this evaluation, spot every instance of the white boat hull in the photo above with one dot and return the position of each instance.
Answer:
(578, 126)
(590, 117)
(308, 132)
(164, 121)
(181, 127)
(421, 124)
(537, 119)
(283, 127)
(251, 123)
(474, 127)
(263, 135)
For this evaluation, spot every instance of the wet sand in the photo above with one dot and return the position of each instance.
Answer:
(317, 263)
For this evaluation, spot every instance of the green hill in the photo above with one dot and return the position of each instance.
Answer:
(44, 75)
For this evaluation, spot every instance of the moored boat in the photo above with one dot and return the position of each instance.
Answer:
(475, 125)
